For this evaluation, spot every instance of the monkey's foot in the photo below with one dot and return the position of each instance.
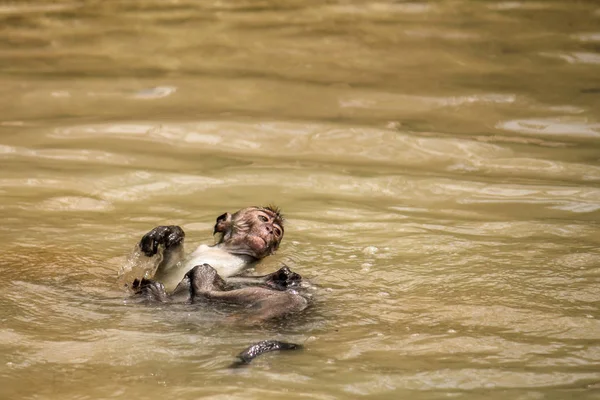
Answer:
(169, 236)
(150, 290)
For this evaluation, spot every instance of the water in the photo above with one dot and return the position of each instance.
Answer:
(438, 163)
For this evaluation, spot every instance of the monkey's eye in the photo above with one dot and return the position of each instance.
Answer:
(277, 231)
(263, 218)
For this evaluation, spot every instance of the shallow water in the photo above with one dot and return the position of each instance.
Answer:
(438, 164)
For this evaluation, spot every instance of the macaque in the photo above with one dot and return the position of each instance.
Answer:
(245, 237)
(212, 273)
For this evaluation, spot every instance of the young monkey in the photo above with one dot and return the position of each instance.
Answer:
(245, 237)
(209, 272)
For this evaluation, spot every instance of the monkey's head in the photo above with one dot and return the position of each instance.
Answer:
(252, 231)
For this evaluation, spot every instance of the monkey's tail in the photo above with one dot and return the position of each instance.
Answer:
(250, 353)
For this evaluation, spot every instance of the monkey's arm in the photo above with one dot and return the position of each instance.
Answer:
(282, 279)
(167, 242)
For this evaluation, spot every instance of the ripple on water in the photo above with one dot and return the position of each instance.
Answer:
(351, 145)
(378, 101)
(588, 37)
(75, 203)
(138, 186)
(155, 92)
(378, 8)
(519, 5)
(82, 155)
(453, 379)
(31, 7)
(576, 57)
(553, 127)
(288, 139)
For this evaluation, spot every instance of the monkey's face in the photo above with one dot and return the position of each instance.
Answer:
(253, 231)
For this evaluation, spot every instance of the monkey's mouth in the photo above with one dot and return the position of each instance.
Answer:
(258, 243)
(264, 241)
(255, 246)
(257, 240)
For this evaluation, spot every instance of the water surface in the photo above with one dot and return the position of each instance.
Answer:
(438, 163)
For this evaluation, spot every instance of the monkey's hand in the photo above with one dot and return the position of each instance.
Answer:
(283, 279)
(169, 236)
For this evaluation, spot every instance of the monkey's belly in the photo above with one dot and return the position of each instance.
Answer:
(224, 263)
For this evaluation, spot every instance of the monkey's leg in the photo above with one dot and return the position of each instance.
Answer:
(202, 280)
(168, 238)
(275, 306)
(264, 303)
(207, 284)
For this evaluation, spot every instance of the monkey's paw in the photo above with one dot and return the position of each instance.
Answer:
(168, 236)
(149, 289)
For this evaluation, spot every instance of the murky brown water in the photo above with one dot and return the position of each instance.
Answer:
(438, 162)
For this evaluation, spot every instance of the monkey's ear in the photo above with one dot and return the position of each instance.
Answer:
(223, 223)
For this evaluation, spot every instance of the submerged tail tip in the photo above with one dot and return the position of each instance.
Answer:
(265, 346)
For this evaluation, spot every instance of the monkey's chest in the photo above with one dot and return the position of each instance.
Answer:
(226, 264)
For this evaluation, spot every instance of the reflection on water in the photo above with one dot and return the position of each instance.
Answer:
(438, 163)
